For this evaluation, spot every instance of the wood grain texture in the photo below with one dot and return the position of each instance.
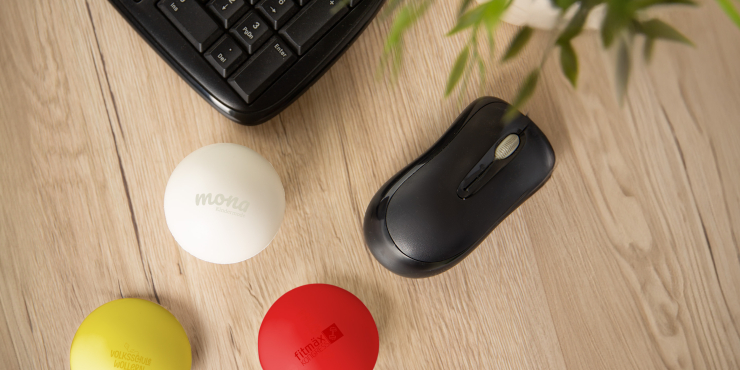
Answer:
(627, 259)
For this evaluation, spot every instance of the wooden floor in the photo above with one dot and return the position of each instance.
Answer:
(628, 258)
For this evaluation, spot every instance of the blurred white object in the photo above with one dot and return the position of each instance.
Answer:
(542, 14)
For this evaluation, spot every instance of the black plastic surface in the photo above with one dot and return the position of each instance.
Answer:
(183, 57)
(417, 225)
(258, 73)
(311, 23)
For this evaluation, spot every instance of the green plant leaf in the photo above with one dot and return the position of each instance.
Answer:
(575, 26)
(482, 72)
(471, 18)
(457, 70)
(489, 13)
(491, 42)
(402, 22)
(657, 29)
(406, 17)
(390, 7)
(518, 43)
(644, 4)
(494, 10)
(624, 66)
(730, 10)
(619, 13)
(569, 62)
(463, 7)
(525, 92)
(648, 49)
(563, 4)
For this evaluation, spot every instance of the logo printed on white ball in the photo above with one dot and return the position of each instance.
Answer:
(220, 199)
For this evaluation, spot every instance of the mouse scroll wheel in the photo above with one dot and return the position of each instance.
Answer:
(507, 146)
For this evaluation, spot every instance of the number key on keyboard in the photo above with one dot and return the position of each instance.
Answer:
(278, 11)
(252, 31)
(252, 79)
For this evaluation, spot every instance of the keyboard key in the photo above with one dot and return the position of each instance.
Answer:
(277, 11)
(252, 31)
(228, 10)
(262, 70)
(225, 55)
(192, 20)
(311, 23)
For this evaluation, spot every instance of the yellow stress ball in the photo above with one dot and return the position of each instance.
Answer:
(130, 334)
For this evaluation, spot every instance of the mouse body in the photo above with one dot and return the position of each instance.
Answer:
(437, 210)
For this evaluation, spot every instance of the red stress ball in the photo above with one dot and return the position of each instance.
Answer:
(318, 327)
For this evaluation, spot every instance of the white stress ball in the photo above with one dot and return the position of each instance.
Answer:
(224, 203)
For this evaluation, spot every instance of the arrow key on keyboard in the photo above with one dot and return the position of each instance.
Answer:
(277, 11)
(228, 11)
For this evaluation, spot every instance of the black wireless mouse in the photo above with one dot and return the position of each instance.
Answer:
(433, 213)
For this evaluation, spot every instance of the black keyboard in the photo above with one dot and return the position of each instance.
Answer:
(249, 59)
